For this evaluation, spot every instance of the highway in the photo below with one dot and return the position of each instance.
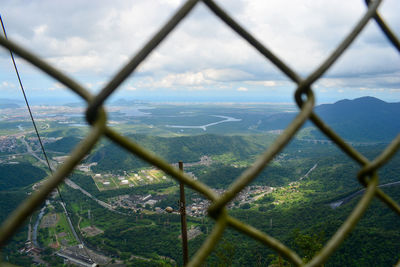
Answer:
(101, 203)
(345, 200)
(309, 171)
(70, 223)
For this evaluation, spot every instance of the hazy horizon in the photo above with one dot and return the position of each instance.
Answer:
(54, 100)
(202, 60)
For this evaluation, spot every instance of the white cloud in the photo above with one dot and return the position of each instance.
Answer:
(7, 85)
(89, 85)
(130, 88)
(198, 79)
(330, 82)
(371, 89)
(75, 64)
(182, 79)
(57, 87)
(242, 89)
(96, 40)
(263, 83)
(40, 30)
(226, 75)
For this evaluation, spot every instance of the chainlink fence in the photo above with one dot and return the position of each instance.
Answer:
(304, 97)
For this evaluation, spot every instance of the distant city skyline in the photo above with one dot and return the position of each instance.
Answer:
(202, 60)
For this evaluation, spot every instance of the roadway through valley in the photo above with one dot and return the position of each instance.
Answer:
(98, 201)
(345, 200)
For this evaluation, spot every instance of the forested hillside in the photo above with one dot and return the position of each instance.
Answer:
(19, 175)
(365, 119)
(116, 202)
(65, 144)
(111, 157)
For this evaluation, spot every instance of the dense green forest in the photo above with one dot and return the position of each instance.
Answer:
(365, 119)
(19, 175)
(297, 210)
(307, 219)
(300, 213)
(9, 200)
(66, 144)
(111, 157)
(15, 180)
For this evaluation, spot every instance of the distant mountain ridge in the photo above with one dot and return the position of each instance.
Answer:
(9, 103)
(190, 148)
(362, 119)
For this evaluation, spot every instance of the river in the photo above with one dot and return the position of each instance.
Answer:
(204, 127)
(35, 227)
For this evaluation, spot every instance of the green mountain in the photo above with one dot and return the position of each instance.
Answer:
(306, 178)
(65, 144)
(19, 175)
(111, 157)
(361, 119)
(9, 103)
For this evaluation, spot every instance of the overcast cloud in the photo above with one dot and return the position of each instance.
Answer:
(91, 40)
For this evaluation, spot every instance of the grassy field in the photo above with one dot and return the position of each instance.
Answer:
(58, 232)
(139, 178)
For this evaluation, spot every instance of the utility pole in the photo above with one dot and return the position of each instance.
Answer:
(182, 211)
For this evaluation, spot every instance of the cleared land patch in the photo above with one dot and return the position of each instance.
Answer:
(92, 231)
(132, 179)
(50, 220)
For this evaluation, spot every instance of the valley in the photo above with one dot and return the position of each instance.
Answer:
(116, 202)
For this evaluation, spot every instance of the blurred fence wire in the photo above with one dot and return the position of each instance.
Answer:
(304, 97)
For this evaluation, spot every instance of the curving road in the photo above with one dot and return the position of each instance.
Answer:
(309, 171)
(345, 200)
(98, 201)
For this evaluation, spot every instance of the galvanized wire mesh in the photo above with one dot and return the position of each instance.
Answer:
(304, 97)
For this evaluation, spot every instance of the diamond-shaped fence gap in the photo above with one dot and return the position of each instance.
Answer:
(198, 78)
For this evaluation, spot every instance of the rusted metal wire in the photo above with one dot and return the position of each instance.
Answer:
(304, 98)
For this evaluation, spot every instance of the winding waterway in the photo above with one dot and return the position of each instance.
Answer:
(35, 227)
(204, 127)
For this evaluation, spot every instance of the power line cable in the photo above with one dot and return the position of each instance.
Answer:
(40, 140)
(26, 100)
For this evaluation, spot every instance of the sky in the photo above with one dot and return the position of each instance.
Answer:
(202, 60)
